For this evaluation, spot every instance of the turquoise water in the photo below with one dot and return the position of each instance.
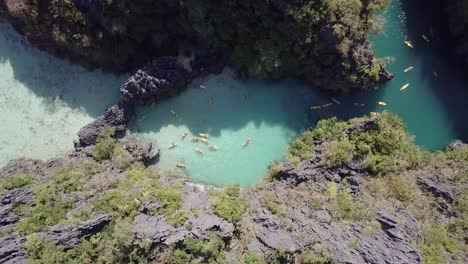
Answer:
(433, 108)
(270, 114)
(44, 101)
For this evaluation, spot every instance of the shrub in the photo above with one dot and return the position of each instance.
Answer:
(251, 257)
(178, 218)
(345, 207)
(125, 203)
(435, 243)
(273, 205)
(105, 144)
(401, 188)
(181, 257)
(15, 181)
(68, 181)
(339, 152)
(229, 206)
(48, 210)
(213, 248)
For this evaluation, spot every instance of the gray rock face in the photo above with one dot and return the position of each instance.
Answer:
(362, 126)
(12, 250)
(161, 77)
(209, 222)
(117, 116)
(157, 230)
(22, 165)
(141, 149)
(69, 236)
(347, 243)
(432, 185)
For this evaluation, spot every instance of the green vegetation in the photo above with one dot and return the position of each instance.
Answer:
(228, 205)
(212, 250)
(105, 144)
(385, 148)
(435, 243)
(290, 41)
(49, 210)
(15, 181)
(343, 205)
(273, 205)
(251, 257)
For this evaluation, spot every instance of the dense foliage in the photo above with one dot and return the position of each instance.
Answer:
(384, 149)
(322, 41)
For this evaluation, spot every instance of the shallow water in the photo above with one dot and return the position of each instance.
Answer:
(44, 101)
(270, 114)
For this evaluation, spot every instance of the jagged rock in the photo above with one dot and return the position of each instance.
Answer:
(455, 145)
(156, 80)
(12, 250)
(367, 125)
(429, 184)
(348, 243)
(141, 149)
(22, 165)
(206, 222)
(69, 236)
(22, 195)
(117, 116)
(157, 230)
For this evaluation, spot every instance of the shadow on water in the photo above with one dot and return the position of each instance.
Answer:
(436, 57)
(451, 84)
(235, 104)
(51, 78)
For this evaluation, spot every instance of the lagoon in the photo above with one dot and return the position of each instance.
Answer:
(44, 101)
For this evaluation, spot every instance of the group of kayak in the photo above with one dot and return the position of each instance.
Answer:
(404, 87)
(202, 137)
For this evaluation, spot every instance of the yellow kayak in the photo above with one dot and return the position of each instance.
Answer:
(213, 147)
(404, 87)
(381, 103)
(335, 101)
(408, 69)
(199, 150)
(204, 140)
(409, 44)
(181, 165)
(184, 135)
(425, 38)
(173, 145)
(195, 139)
(316, 107)
(173, 112)
(203, 135)
(327, 105)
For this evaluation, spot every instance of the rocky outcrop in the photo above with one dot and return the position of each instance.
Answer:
(12, 250)
(158, 79)
(438, 189)
(117, 116)
(140, 148)
(69, 236)
(347, 243)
